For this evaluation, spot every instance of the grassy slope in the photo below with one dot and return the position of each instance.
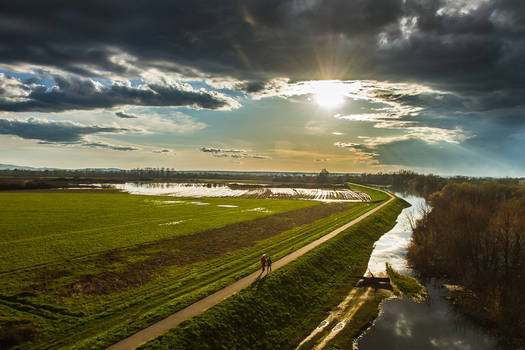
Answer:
(51, 227)
(95, 321)
(279, 311)
(405, 284)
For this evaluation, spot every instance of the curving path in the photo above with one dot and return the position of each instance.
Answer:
(202, 305)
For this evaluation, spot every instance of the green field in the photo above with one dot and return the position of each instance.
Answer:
(50, 227)
(84, 270)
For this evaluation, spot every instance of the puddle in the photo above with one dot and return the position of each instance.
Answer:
(227, 206)
(338, 327)
(262, 210)
(322, 324)
(172, 223)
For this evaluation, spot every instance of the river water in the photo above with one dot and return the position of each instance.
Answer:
(404, 324)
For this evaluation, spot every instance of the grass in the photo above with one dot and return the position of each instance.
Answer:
(407, 285)
(109, 241)
(376, 196)
(361, 320)
(283, 308)
(50, 227)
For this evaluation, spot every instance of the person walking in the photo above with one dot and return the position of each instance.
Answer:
(263, 262)
(269, 265)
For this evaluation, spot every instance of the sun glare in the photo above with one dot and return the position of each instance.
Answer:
(329, 94)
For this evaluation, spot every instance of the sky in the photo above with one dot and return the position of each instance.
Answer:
(273, 85)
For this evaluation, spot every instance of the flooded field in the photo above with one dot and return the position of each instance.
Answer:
(197, 190)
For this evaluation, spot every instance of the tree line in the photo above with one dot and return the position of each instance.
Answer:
(399, 181)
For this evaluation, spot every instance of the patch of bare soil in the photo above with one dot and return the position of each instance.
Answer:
(183, 250)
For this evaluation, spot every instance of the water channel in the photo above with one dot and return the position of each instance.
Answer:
(404, 324)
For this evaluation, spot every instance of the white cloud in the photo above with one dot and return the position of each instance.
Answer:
(427, 134)
(176, 122)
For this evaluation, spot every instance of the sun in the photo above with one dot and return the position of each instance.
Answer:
(329, 94)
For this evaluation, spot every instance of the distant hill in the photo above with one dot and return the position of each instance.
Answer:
(11, 167)
(21, 167)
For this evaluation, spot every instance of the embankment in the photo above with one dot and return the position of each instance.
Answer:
(281, 309)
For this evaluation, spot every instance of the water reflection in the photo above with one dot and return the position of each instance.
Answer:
(404, 324)
(392, 246)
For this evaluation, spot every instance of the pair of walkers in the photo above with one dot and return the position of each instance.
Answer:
(266, 262)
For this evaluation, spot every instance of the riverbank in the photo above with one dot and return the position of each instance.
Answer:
(280, 310)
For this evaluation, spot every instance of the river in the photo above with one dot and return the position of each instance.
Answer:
(404, 324)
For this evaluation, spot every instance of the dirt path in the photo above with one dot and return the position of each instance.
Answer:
(202, 305)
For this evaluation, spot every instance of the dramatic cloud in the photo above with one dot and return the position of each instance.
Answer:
(463, 44)
(64, 132)
(442, 75)
(231, 153)
(74, 93)
(471, 48)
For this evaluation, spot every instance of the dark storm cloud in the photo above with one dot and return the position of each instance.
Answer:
(48, 131)
(238, 38)
(73, 92)
(248, 38)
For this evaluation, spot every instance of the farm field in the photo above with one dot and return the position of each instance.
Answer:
(84, 270)
(51, 227)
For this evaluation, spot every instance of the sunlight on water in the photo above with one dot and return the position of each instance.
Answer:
(392, 246)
